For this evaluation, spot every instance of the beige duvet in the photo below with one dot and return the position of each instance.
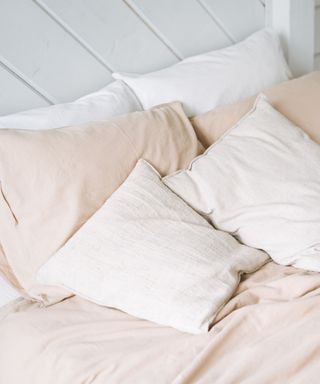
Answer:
(268, 333)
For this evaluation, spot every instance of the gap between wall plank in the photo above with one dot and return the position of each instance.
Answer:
(27, 82)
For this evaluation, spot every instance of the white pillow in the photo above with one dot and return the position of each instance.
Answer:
(215, 78)
(112, 100)
(146, 252)
(261, 182)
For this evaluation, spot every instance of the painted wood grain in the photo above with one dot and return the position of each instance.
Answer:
(57, 50)
(317, 62)
(40, 49)
(293, 20)
(238, 18)
(183, 24)
(15, 95)
(113, 33)
(317, 31)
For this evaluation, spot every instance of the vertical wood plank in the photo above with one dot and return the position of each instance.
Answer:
(317, 30)
(317, 62)
(183, 24)
(294, 21)
(45, 54)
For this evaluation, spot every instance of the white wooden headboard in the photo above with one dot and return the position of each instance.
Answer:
(54, 51)
(317, 35)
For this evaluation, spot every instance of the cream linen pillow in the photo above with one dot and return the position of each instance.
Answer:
(52, 181)
(146, 252)
(261, 182)
(296, 99)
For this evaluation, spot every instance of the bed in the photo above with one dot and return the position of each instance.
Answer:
(266, 329)
(266, 333)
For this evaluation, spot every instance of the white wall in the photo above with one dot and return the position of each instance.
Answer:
(53, 51)
(317, 35)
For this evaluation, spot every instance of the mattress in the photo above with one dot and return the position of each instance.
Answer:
(268, 332)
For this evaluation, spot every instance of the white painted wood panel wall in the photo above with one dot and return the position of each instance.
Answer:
(317, 35)
(53, 51)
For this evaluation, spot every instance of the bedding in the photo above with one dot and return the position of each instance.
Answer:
(261, 183)
(7, 292)
(215, 78)
(267, 333)
(112, 100)
(9, 287)
(52, 181)
(146, 252)
(6, 271)
(297, 99)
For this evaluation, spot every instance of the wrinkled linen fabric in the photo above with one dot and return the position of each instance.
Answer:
(53, 180)
(147, 253)
(7, 292)
(260, 182)
(297, 99)
(267, 333)
(113, 100)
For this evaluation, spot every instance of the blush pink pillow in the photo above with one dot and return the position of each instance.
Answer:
(296, 99)
(52, 181)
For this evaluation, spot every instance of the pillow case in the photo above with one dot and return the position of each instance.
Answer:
(146, 252)
(113, 100)
(297, 99)
(52, 181)
(261, 182)
(215, 78)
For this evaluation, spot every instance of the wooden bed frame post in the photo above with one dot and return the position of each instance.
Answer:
(294, 21)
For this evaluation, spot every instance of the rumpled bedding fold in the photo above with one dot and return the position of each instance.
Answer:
(267, 333)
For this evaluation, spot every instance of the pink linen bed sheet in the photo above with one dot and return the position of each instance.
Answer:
(267, 333)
